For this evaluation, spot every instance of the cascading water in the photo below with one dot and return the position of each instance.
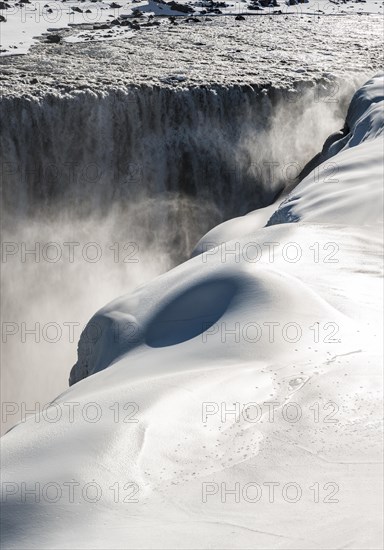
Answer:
(122, 184)
(84, 151)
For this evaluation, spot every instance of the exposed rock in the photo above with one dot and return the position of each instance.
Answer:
(183, 8)
(53, 38)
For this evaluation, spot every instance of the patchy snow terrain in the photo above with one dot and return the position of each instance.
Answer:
(22, 22)
(268, 50)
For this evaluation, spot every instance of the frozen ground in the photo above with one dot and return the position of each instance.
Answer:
(24, 21)
(265, 50)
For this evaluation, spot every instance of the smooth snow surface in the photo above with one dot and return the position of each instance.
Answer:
(162, 469)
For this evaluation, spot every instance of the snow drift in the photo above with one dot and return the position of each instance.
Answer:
(176, 431)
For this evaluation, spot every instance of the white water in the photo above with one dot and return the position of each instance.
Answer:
(156, 168)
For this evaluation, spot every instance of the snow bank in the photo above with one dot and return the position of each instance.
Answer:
(286, 314)
(348, 187)
(333, 190)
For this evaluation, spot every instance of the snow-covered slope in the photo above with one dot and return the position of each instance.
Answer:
(345, 188)
(233, 402)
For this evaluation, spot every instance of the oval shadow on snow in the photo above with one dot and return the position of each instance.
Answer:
(190, 313)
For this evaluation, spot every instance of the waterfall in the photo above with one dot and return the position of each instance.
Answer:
(85, 150)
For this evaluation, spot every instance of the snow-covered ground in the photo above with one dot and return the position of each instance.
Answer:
(23, 22)
(233, 402)
(260, 52)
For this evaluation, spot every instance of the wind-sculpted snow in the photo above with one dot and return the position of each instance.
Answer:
(188, 360)
(334, 190)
